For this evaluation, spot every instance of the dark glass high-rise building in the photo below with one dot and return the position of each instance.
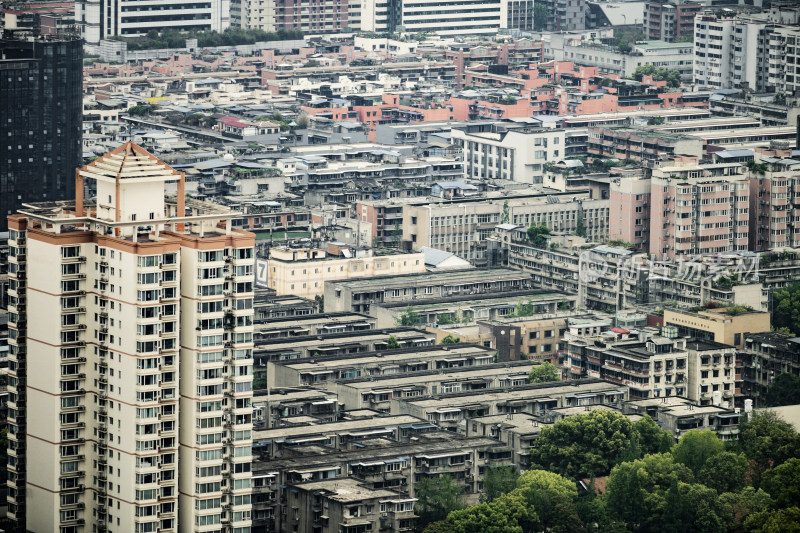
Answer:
(41, 101)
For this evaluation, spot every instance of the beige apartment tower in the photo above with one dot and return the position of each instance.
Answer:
(130, 370)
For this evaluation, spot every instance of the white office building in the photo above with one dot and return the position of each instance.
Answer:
(446, 17)
(101, 19)
(494, 151)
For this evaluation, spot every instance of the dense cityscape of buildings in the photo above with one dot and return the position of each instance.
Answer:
(270, 274)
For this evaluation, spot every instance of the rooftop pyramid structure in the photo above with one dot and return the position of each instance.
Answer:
(126, 162)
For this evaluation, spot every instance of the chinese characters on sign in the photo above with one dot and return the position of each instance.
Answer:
(691, 268)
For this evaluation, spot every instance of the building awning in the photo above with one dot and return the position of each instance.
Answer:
(307, 439)
(441, 455)
(373, 463)
(448, 410)
(370, 432)
(581, 396)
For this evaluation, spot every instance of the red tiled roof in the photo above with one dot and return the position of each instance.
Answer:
(233, 121)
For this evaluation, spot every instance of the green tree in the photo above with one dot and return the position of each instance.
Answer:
(141, 109)
(554, 485)
(700, 510)
(637, 491)
(652, 439)
(544, 373)
(259, 380)
(445, 319)
(506, 216)
(498, 480)
(672, 77)
(541, 15)
(780, 521)
(783, 483)
(584, 445)
(303, 121)
(441, 526)
(632, 451)
(553, 497)
(391, 343)
(724, 472)
(523, 309)
(320, 300)
(756, 168)
(580, 227)
(695, 447)
(744, 504)
(449, 339)
(538, 235)
(436, 498)
(784, 390)
(786, 307)
(592, 510)
(397, 235)
(767, 441)
(408, 317)
(503, 515)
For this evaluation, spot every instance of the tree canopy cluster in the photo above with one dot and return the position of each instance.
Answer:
(784, 390)
(408, 317)
(538, 235)
(544, 373)
(646, 482)
(171, 38)
(786, 309)
(672, 77)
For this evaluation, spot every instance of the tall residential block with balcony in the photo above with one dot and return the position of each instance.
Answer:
(113, 298)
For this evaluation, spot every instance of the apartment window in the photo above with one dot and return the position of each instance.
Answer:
(70, 251)
(147, 260)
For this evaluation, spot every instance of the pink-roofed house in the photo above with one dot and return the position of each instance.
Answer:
(237, 127)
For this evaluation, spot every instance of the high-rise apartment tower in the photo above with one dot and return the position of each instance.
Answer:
(130, 367)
